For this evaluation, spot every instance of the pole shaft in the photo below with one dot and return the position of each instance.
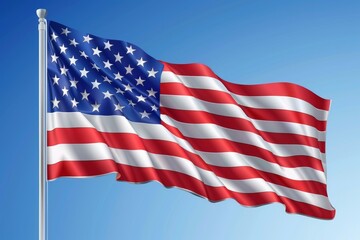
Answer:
(42, 111)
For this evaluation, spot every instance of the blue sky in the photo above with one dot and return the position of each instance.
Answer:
(312, 43)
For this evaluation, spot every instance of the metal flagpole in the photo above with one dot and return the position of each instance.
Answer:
(41, 13)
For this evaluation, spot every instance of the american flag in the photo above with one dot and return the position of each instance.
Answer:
(112, 108)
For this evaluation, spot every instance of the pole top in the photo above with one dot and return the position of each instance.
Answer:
(41, 13)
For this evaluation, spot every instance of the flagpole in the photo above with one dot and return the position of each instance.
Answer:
(41, 13)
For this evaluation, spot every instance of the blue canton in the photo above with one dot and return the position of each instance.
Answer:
(93, 75)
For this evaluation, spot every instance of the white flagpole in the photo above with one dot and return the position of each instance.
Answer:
(41, 13)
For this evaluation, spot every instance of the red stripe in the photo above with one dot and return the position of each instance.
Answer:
(254, 113)
(223, 145)
(133, 142)
(268, 89)
(198, 117)
(175, 179)
(81, 169)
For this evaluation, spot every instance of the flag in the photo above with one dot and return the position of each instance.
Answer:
(112, 108)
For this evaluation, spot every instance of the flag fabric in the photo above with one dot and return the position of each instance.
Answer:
(112, 108)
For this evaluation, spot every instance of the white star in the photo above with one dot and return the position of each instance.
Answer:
(95, 66)
(56, 80)
(106, 79)
(65, 31)
(85, 95)
(73, 42)
(83, 54)
(118, 90)
(87, 38)
(54, 58)
(130, 50)
(73, 83)
(118, 107)
(74, 103)
(73, 60)
(63, 70)
(65, 91)
(107, 64)
(131, 103)
(140, 62)
(95, 107)
(139, 81)
(95, 84)
(96, 51)
(118, 57)
(55, 103)
(129, 69)
(144, 114)
(108, 45)
(128, 87)
(154, 108)
(152, 72)
(118, 76)
(63, 49)
(141, 98)
(152, 92)
(107, 94)
(84, 73)
(54, 36)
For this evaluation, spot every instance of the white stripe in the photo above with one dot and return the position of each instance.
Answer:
(232, 159)
(149, 131)
(192, 103)
(263, 102)
(121, 124)
(230, 110)
(212, 131)
(113, 124)
(142, 158)
(289, 127)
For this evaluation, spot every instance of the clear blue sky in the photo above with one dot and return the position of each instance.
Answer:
(312, 43)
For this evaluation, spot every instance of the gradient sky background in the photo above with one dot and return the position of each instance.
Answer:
(312, 43)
